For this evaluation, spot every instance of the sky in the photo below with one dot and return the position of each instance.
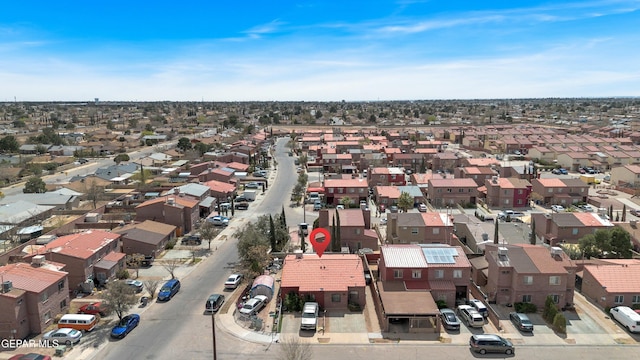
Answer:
(317, 50)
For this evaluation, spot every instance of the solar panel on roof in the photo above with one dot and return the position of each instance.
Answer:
(440, 255)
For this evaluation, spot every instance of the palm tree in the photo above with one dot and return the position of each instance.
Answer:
(346, 201)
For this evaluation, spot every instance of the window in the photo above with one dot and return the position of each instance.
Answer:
(556, 298)
(505, 272)
(457, 274)
(618, 299)
(449, 190)
(357, 231)
(397, 274)
(63, 304)
(528, 280)
(335, 298)
(414, 231)
(554, 280)
(520, 191)
(340, 190)
(436, 231)
(574, 231)
(460, 190)
(439, 274)
(330, 190)
(47, 316)
(635, 299)
(60, 285)
(44, 297)
(551, 190)
(416, 274)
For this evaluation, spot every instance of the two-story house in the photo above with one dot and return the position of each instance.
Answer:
(384, 176)
(148, 238)
(336, 189)
(420, 228)
(563, 192)
(567, 227)
(507, 193)
(334, 163)
(452, 192)
(90, 255)
(181, 211)
(355, 227)
(628, 175)
(528, 273)
(478, 174)
(31, 297)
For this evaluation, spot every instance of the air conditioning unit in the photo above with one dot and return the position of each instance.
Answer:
(6, 286)
(494, 179)
(171, 201)
(556, 251)
(37, 260)
(502, 250)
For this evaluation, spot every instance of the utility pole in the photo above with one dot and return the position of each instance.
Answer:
(213, 329)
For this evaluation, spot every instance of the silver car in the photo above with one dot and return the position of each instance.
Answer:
(65, 336)
(253, 305)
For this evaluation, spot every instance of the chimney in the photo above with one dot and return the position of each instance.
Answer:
(176, 191)
(298, 254)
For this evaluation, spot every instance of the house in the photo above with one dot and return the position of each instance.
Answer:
(19, 214)
(409, 285)
(613, 283)
(220, 190)
(478, 173)
(507, 193)
(528, 273)
(334, 280)
(181, 211)
(193, 190)
(148, 238)
(82, 253)
(355, 227)
(419, 228)
(386, 176)
(452, 192)
(32, 295)
(335, 163)
(336, 189)
(563, 192)
(58, 199)
(627, 176)
(568, 227)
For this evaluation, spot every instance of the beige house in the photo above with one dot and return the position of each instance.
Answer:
(628, 175)
(420, 228)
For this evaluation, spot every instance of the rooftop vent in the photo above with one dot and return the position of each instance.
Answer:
(37, 260)
(298, 254)
(502, 250)
(556, 251)
(171, 201)
(6, 286)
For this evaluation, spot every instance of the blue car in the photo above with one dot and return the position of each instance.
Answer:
(169, 289)
(125, 325)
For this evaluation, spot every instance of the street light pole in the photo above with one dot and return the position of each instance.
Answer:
(213, 329)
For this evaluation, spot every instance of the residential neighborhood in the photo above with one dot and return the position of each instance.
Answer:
(518, 216)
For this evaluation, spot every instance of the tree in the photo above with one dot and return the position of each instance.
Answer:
(346, 201)
(291, 348)
(184, 144)
(152, 286)
(135, 261)
(405, 201)
(496, 233)
(9, 144)
(171, 265)
(272, 234)
(333, 245)
(93, 191)
(283, 218)
(202, 148)
(560, 323)
(254, 243)
(550, 309)
(121, 158)
(614, 243)
(208, 232)
(624, 212)
(532, 236)
(119, 297)
(34, 185)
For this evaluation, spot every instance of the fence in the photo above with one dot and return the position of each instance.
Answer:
(252, 322)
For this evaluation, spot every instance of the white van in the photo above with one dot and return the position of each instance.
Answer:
(627, 317)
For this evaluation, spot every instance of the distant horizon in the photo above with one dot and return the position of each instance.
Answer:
(318, 51)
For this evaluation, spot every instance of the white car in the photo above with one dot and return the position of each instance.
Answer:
(219, 220)
(253, 305)
(557, 208)
(65, 336)
(233, 281)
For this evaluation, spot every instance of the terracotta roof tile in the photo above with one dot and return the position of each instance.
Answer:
(82, 245)
(617, 278)
(25, 277)
(332, 272)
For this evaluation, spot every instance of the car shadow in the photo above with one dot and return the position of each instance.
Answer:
(491, 355)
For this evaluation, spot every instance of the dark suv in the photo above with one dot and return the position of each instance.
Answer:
(484, 343)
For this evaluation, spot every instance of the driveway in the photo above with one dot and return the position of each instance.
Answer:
(335, 326)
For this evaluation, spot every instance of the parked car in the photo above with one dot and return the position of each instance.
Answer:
(422, 208)
(214, 303)
(193, 239)
(241, 198)
(168, 290)
(309, 320)
(233, 281)
(30, 356)
(65, 336)
(480, 307)
(253, 305)
(241, 205)
(449, 319)
(340, 207)
(484, 343)
(317, 206)
(136, 285)
(635, 212)
(125, 325)
(219, 220)
(252, 185)
(557, 208)
(628, 318)
(470, 316)
(383, 221)
(95, 308)
(521, 321)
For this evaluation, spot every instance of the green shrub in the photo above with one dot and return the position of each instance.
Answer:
(526, 308)
(550, 310)
(170, 244)
(122, 274)
(560, 323)
(441, 304)
(293, 302)
(354, 307)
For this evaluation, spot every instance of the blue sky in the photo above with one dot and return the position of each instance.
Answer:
(317, 50)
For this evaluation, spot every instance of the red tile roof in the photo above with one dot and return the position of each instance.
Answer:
(82, 245)
(331, 272)
(29, 278)
(220, 186)
(616, 278)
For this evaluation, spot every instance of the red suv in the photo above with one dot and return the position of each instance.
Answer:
(95, 308)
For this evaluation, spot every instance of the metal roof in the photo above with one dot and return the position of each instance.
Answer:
(403, 256)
